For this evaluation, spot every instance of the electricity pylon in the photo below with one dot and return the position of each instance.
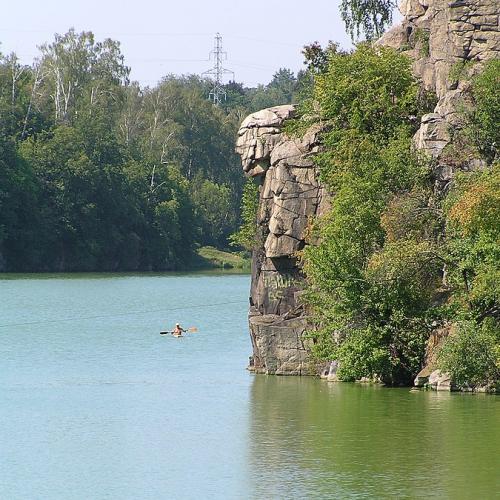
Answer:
(217, 93)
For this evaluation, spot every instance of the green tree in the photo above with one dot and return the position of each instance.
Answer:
(214, 210)
(284, 81)
(471, 354)
(246, 234)
(20, 222)
(473, 232)
(99, 173)
(75, 64)
(369, 296)
(484, 117)
(370, 17)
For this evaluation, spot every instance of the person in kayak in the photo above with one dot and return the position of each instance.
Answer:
(178, 330)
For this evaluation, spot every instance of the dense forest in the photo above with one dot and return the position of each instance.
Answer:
(97, 173)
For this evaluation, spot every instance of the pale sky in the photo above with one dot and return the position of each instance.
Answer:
(162, 37)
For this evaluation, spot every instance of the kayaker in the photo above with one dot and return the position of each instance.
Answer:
(178, 330)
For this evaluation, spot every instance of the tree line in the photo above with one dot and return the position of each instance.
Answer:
(98, 173)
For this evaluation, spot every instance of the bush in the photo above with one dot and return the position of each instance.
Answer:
(471, 355)
(484, 127)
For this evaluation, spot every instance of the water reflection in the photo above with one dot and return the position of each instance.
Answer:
(312, 439)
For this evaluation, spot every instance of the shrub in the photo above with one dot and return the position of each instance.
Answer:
(246, 234)
(471, 355)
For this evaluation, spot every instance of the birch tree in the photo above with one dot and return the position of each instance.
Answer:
(74, 63)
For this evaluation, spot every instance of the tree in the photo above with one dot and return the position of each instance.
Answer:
(370, 17)
(20, 222)
(369, 295)
(285, 82)
(99, 173)
(483, 119)
(75, 63)
(214, 210)
(471, 354)
(316, 58)
(245, 236)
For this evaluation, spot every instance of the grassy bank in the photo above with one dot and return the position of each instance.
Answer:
(212, 258)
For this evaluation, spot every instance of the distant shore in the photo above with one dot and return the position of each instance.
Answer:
(204, 259)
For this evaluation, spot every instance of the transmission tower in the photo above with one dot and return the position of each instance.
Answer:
(217, 94)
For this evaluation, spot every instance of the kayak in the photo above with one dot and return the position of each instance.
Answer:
(170, 333)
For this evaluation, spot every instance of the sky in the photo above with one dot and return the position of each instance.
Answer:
(162, 37)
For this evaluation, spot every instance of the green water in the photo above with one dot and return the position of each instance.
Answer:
(95, 404)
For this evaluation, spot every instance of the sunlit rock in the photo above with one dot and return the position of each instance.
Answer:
(290, 195)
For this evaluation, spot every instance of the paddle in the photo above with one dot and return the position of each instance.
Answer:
(192, 329)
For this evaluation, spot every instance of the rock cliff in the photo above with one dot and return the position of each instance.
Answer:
(289, 195)
(444, 38)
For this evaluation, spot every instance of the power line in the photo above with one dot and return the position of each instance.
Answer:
(217, 93)
(266, 42)
(107, 33)
(63, 320)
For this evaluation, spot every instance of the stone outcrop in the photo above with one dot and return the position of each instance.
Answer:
(428, 376)
(440, 381)
(289, 195)
(443, 38)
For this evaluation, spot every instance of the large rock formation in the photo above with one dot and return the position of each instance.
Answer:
(443, 38)
(289, 195)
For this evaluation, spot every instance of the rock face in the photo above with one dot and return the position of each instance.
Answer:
(444, 38)
(427, 377)
(289, 195)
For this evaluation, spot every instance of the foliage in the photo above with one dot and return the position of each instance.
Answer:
(371, 284)
(460, 70)
(484, 116)
(284, 88)
(478, 133)
(74, 66)
(473, 234)
(371, 91)
(316, 57)
(370, 17)
(475, 203)
(471, 354)
(18, 202)
(214, 211)
(422, 39)
(246, 234)
(97, 173)
(395, 257)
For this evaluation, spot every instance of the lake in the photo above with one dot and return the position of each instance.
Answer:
(95, 404)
